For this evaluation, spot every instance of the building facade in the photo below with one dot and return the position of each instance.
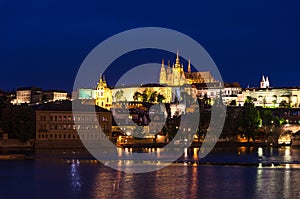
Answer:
(28, 95)
(176, 76)
(55, 121)
(36, 95)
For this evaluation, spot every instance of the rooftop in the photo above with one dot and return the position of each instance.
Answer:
(67, 106)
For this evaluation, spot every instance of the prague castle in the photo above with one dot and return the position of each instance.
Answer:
(176, 76)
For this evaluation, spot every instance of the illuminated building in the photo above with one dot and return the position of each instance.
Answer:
(174, 82)
(55, 122)
(103, 94)
(31, 95)
(55, 95)
(176, 76)
(28, 95)
(264, 82)
(267, 96)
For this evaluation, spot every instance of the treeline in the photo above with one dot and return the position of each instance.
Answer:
(17, 121)
(248, 121)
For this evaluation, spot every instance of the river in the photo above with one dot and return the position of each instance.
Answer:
(69, 174)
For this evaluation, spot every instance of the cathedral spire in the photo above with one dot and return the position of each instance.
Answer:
(189, 66)
(177, 65)
(163, 75)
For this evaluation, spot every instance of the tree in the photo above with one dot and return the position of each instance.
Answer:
(119, 94)
(250, 120)
(266, 118)
(284, 104)
(19, 122)
(233, 121)
(148, 96)
(274, 102)
(233, 103)
(204, 122)
(160, 98)
(153, 96)
(136, 96)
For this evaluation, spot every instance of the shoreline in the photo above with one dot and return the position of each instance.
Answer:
(79, 145)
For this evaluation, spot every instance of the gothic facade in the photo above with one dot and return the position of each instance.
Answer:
(176, 76)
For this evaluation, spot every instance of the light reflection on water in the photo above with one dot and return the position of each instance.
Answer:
(75, 175)
(86, 178)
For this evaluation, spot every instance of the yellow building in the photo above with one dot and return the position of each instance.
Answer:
(176, 76)
(103, 94)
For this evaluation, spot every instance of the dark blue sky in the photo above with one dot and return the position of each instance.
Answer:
(43, 43)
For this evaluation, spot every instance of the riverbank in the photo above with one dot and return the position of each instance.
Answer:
(69, 144)
(16, 144)
(199, 144)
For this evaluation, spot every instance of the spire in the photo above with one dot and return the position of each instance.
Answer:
(169, 68)
(104, 81)
(267, 82)
(263, 82)
(177, 65)
(100, 79)
(189, 66)
(163, 75)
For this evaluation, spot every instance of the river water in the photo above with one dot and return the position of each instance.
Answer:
(247, 173)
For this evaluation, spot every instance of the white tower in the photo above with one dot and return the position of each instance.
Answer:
(267, 83)
(264, 83)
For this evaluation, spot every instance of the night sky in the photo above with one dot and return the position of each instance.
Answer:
(43, 43)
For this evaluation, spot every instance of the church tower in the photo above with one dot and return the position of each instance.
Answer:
(169, 73)
(177, 64)
(265, 83)
(262, 82)
(189, 67)
(103, 94)
(163, 75)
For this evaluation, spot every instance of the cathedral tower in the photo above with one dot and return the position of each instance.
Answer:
(163, 75)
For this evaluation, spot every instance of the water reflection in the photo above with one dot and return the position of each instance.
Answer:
(276, 182)
(87, 179)
(287, 155)
(75, 175)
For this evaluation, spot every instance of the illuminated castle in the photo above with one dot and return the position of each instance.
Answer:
(176, 76)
